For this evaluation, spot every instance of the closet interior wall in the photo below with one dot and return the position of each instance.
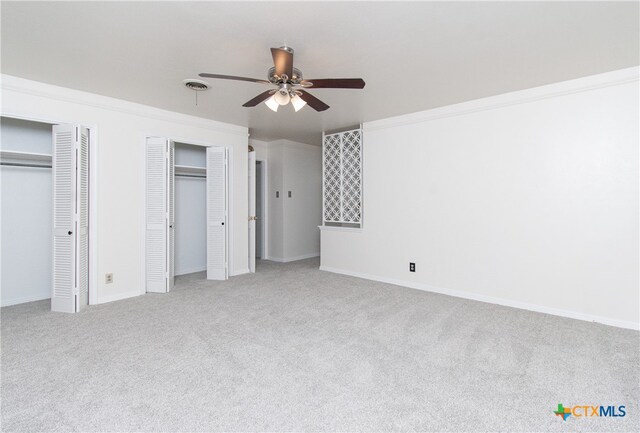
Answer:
(26, 210)
(190, 209)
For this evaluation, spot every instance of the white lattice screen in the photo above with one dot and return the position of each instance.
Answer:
(342, 177)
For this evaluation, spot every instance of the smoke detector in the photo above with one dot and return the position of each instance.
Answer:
(194, 84)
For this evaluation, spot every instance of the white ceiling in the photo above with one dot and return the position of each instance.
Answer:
(413, 56)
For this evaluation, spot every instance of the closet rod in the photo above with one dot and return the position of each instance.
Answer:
(17, 164)
(191, 175)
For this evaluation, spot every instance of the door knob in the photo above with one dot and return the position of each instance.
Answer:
(70, 232)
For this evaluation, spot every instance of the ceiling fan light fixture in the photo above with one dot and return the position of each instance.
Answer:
(272, 104)
(298, 102)
(282, 97)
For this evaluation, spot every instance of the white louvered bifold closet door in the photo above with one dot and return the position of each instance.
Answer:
(82, 208)
(172, 214)
(70, 288)
(156, 214)
(216, 213)
(64, 190)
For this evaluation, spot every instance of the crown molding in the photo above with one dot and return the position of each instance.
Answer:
(64, 94)
(584, 84)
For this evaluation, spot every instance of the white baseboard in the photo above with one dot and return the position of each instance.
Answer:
(490, 299)
(293, 259)
(16, 301)
(118, 297)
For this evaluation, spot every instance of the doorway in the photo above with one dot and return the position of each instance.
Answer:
(257, 209)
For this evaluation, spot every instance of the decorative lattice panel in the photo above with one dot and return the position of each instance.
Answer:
(351, 175)
(332, 178)
(342, 177)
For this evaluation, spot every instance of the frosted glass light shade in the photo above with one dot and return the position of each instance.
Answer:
(282, 98)
(272, 104)
(298, 102)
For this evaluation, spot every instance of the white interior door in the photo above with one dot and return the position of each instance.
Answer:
(70, 167)
(157, 209)
(216, 213)
(252, 211)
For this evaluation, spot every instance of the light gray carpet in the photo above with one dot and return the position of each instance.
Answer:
(292, 348)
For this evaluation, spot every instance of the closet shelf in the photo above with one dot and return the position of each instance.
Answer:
(189, 170)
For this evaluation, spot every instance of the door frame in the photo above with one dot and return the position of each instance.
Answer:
(230, 200)
(252, 190)
(93, 191)
(264, 207)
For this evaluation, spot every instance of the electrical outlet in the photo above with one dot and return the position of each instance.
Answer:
(108, 278)
(289, 194)
(412, 267)
(277, 194)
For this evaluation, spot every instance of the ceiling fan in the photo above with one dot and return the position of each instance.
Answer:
(290, 84)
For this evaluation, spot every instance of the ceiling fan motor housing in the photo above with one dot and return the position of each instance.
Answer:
(276, 79)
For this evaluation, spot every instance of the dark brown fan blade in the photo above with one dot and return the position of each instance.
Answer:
(283, 61)
(313, 102)
(232, 77)
(258, 99)
(335, 83)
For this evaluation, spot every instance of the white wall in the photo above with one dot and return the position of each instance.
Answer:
(275, 206)
(121, 127)
(303, 210)
(293, 221)
(528, 199)
(26, 215)
(190, 212)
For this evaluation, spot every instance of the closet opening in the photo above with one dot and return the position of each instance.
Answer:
(186, 212)
(27, 218)
(190, 222)
(45, 190)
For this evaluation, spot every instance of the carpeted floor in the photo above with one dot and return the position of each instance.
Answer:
(291, 348)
